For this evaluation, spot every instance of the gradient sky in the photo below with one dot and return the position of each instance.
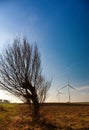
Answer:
(61, 30)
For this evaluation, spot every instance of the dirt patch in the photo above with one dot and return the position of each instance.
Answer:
(53, 117)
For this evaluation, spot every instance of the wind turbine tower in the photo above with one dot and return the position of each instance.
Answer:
(58, 95)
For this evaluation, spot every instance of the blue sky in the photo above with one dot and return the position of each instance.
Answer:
(61, 30)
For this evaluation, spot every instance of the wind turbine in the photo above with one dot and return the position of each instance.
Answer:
(68, 87)
(58, 95)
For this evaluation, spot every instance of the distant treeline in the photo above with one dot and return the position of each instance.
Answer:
(4, 101)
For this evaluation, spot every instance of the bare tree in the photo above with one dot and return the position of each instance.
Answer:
(21, 74)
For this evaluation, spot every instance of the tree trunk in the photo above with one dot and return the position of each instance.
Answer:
(35, 114)
(36, 106)
(34, 98)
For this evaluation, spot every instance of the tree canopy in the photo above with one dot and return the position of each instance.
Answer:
(21, 72)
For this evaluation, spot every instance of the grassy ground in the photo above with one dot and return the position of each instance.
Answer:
(54, 117)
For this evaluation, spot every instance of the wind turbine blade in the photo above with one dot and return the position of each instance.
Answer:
(64, 87)
(57, 90)
(71, 87)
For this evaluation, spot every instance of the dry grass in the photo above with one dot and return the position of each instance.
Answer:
(53, 117)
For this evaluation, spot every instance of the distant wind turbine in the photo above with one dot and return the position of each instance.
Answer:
(58, 95)
(68, 87)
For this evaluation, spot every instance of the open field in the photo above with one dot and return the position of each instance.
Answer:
(54, 117)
